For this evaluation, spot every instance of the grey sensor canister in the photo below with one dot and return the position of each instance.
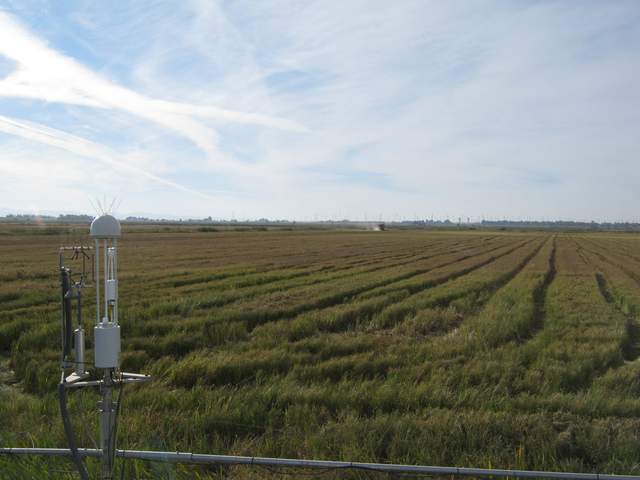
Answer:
(107, 345)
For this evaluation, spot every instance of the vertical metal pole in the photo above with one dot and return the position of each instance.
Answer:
(107, 422)
(115, 276)
(105, 405)
(97, 280)
(105, 245)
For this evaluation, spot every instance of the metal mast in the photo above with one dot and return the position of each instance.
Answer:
(105, 230)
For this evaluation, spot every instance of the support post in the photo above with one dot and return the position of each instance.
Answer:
(97, 280)
(107, 410)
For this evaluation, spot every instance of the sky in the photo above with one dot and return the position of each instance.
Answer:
(310, 110)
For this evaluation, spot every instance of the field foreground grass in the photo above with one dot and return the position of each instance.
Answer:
(485, 349)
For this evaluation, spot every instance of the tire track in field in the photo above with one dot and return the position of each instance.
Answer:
(204, 277)
(620, 248)
(540, 294)
(407, 258)
(421, 286)
(494, 286)
(342, 252)
(610, 260)
(490, 288)
(439, 253)
(309, 267)
(220, 302)
(616, 264)
(580, 251)
(275, 280)
(337, 266)
(537, 317)
(477, 401)
(373, 306)
(540, 313)
(244, 295)
(256, 318)
(348, 271)
(498, 283)
(274, 252)
(361, 259)
(346, 320)
(631, 346)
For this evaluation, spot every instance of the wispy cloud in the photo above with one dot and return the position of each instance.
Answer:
(45, 74)
(84, 148)
(465, 109)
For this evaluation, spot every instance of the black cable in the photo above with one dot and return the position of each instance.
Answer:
(68, 430)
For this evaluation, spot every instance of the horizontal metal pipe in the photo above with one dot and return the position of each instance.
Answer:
(97, 383)
(50, 452)
(198, 458)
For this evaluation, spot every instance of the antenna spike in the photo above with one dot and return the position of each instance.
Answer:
(111, 206)
(94, 207)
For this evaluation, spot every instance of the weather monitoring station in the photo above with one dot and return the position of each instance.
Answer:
(103, 258)
(95, 266)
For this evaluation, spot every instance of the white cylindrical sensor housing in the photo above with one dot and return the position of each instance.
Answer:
(79, 349)
(112, 289)
(107, 345)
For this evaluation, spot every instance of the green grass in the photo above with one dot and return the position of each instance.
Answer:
(506, 350)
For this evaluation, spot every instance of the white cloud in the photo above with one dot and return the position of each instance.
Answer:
(47, 75)
(417, 107)
(81, 147)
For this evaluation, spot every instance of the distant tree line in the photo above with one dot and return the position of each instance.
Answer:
(428, 223)
(533, 224)
(30, 218)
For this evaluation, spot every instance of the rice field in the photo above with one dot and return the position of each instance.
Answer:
(463, 348)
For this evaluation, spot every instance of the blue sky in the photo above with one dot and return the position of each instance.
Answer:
(322, 109)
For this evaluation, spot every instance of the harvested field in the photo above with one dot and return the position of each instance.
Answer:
(482, 348)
